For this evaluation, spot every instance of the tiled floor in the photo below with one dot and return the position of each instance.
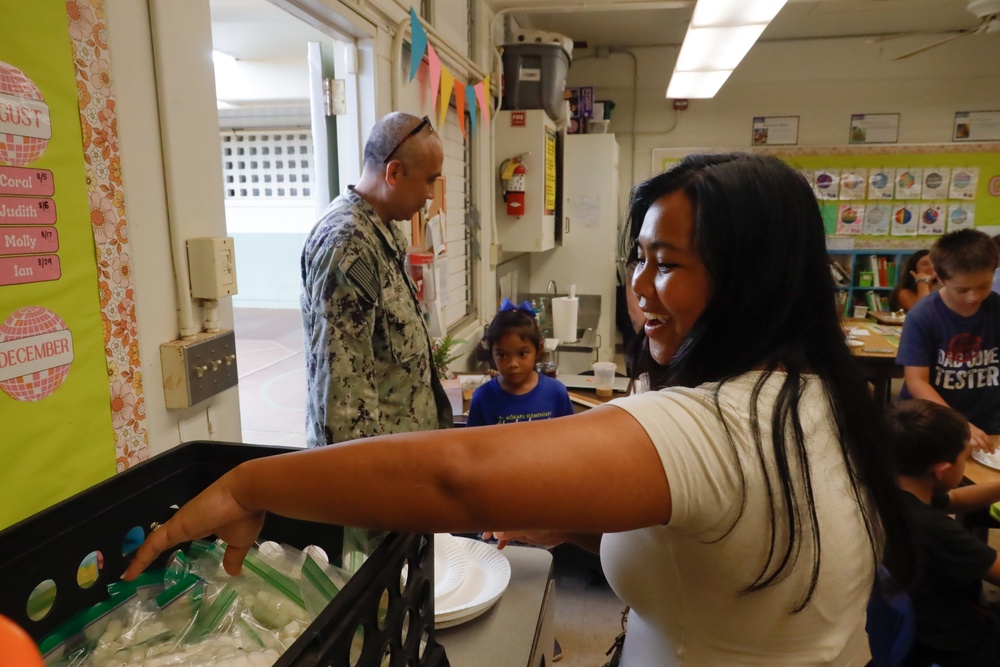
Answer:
(272, 391)
(272, 376)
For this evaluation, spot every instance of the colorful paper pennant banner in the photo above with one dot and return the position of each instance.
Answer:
(482, 90)
(447, 83)
(435, 67)
(460, 105)
(470, 94)
(418, 43)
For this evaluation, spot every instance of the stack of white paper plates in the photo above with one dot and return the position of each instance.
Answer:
(487, 574)
(450, 565)
(987, 459)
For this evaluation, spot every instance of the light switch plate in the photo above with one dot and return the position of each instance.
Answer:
(196, 369)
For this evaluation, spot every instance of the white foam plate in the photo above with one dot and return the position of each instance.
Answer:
(450, 565)
(987, 459)
(486, 578)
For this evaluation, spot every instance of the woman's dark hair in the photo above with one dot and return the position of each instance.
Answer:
(922, 433)
(759, 233)
(905, 279)
(515, 321)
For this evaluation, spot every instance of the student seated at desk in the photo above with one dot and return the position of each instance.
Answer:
(930, 445)
(916, 281)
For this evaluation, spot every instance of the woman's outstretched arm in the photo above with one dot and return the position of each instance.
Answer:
(593, 472)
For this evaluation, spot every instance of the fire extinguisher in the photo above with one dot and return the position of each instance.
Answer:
(514, 195)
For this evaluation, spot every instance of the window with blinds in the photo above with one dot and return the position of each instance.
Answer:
(460, 232)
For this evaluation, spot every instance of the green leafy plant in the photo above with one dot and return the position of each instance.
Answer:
(443, 352)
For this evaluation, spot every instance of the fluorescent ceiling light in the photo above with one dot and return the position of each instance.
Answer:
(696, 85)
(718, 13)
(719, 36)
(707, 49)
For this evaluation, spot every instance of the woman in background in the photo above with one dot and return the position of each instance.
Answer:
(915, 282)
(739, 510)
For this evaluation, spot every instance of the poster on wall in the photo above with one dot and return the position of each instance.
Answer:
(963, 183)
(881, 183)
(961, 215)
(850, 219)
(56, 406)
(976, 126)
(853, 183)
(877, 219)
(775, 131)
(874, 128)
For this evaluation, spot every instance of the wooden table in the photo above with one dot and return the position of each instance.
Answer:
(877, 355)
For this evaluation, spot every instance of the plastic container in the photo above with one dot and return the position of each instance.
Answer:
(52, 544)
(534, 75)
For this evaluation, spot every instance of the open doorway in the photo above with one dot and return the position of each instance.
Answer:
(277, 176)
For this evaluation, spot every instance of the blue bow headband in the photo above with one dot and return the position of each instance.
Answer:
(524, 307)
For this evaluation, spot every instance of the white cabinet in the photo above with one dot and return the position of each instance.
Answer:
(531, 134)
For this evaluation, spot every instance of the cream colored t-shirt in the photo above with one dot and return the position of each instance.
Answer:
(683, 580)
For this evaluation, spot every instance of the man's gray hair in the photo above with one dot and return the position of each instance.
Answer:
(388, 132)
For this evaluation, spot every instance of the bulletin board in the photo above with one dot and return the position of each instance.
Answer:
(931, 211)
(71, 405)
(950, 187)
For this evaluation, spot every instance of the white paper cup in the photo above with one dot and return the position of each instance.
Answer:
(860, 312)
(604, 377)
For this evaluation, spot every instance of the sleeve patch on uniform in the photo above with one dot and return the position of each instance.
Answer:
(363, 278)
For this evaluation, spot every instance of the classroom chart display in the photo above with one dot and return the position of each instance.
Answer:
(904, 191)
(70, 387)
(976, 126)
(775, 131)
(878, 128)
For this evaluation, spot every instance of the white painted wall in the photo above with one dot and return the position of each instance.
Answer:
(821, 81)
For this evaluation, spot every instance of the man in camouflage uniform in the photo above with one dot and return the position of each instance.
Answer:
(368, 355)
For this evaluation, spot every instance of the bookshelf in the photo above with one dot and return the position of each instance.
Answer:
(866, 276)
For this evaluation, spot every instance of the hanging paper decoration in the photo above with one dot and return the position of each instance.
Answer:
(481, 89)
(418, 44)
(460, 105)
(442, 81)
(435, 65)
(470, 95)
(447, 83)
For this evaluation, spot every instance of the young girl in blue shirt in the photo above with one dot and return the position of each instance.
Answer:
(519, 393)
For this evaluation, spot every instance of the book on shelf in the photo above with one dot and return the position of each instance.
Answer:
(873, 265)
(840, 275)
(883, 272)
(871, 300)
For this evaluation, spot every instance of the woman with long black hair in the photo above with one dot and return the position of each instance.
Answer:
(739, 509)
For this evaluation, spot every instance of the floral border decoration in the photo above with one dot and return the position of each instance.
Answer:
(99, 123)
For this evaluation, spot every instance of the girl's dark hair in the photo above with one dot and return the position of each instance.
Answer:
(759, 232)
(962, 252)
(922, 433)
(905, 279)
(515, 321)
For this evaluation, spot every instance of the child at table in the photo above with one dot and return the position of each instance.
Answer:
(916, 281)
(519, 393)
(930, 446)
(950, 344)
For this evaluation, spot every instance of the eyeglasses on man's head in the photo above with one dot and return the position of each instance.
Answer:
(424, 122)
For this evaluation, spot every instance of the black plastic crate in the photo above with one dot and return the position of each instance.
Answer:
(53, 543)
